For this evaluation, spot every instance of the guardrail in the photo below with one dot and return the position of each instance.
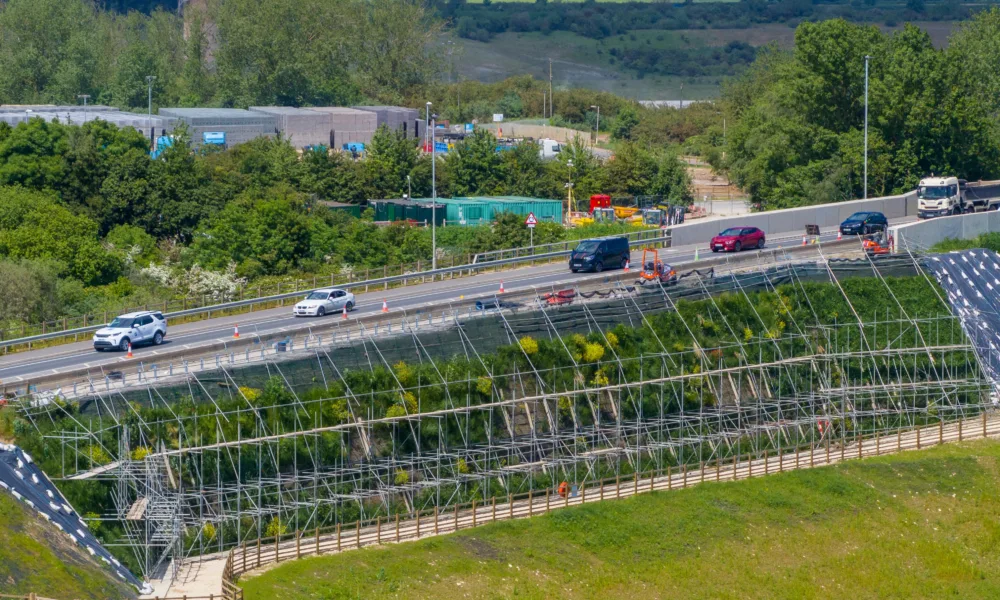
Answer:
(633, 236)
(386, 282)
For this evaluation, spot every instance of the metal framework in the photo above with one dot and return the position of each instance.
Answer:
(308, 459)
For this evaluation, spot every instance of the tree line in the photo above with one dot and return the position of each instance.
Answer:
(796, 118)
(237, 52)
(598, 20)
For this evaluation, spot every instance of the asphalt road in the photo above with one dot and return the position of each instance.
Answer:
(19, 367)
(20, 477)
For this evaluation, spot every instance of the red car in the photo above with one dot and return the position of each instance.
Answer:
(738, 238)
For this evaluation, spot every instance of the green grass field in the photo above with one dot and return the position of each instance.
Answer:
(916, 525)
(35, 557)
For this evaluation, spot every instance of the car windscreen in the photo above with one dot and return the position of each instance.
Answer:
(122, 323)
(588, 246)
(857, 217)
(732, 231)
(318, 296)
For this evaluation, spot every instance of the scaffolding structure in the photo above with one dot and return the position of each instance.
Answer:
(219, 468)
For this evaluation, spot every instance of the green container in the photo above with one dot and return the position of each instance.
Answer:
(482, 210)
(352, 209)
(404, 210)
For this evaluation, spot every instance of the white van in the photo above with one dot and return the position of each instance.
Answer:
(548, 148)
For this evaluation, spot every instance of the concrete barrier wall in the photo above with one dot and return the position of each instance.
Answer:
(794, 220)
(924, 234)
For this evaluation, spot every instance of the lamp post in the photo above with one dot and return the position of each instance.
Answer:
(149, 114)
(85, 97)
(430, 123)
(867, 58)
(569, 191)
(409, 189)
(597, 135)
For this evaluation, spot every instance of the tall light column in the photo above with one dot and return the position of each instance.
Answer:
(434, 257)
(867, 58)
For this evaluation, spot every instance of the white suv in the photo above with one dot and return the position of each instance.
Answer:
(324, 302)
(134, 328)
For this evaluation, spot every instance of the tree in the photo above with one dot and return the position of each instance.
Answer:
(625, 123)
(473, 165)
(390, 158)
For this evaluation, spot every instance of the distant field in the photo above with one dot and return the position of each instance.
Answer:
(579, 61)
(585, 62)
(914, 525)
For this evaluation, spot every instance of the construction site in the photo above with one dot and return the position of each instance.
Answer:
(527, 394)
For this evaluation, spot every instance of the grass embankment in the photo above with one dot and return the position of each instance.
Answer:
(989, 241)
(35, 557)
(915, 525)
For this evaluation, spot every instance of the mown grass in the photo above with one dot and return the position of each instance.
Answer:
(916, 525)
(36, 558)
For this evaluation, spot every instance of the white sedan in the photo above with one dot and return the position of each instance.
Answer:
(324, 302)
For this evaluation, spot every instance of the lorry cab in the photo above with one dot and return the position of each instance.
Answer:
(548, 148)
(938, 196)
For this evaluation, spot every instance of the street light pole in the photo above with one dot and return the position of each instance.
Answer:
(433, 191)
(85, 98)
(867, 58)
(409, 189)
(597, 136)
(149, 114)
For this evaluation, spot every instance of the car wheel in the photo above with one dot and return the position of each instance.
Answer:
(321, 312)
(157, 338)
(574, 270)
(737, 246)
(350, 306)
(624, 262)
(865, 230)
(598, 267)
(714, 249)
(123, 345)
(760, 243)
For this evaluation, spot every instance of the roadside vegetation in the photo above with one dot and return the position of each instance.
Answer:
(989, 241)
(89, 223)
(913, 525)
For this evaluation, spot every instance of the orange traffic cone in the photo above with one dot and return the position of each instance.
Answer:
(385, 305)
(236, 331)
(344, 314)
(501, 286)
(804, 240)
(840, 236)
(129, 355)
(626, 265)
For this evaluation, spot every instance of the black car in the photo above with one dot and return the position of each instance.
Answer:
(597, 255)
(863, 223)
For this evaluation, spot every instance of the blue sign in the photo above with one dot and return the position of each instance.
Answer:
(469, 127)
(441, 147)
(214, 137)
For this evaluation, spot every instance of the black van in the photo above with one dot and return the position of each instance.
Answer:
(597, 255)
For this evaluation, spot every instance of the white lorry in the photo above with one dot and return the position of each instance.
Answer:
(939, 196)
(548, 148)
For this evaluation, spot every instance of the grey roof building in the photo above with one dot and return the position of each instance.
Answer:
(237, 125)
(302, 127)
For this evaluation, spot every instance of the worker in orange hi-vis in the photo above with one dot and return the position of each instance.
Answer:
(563, 489)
